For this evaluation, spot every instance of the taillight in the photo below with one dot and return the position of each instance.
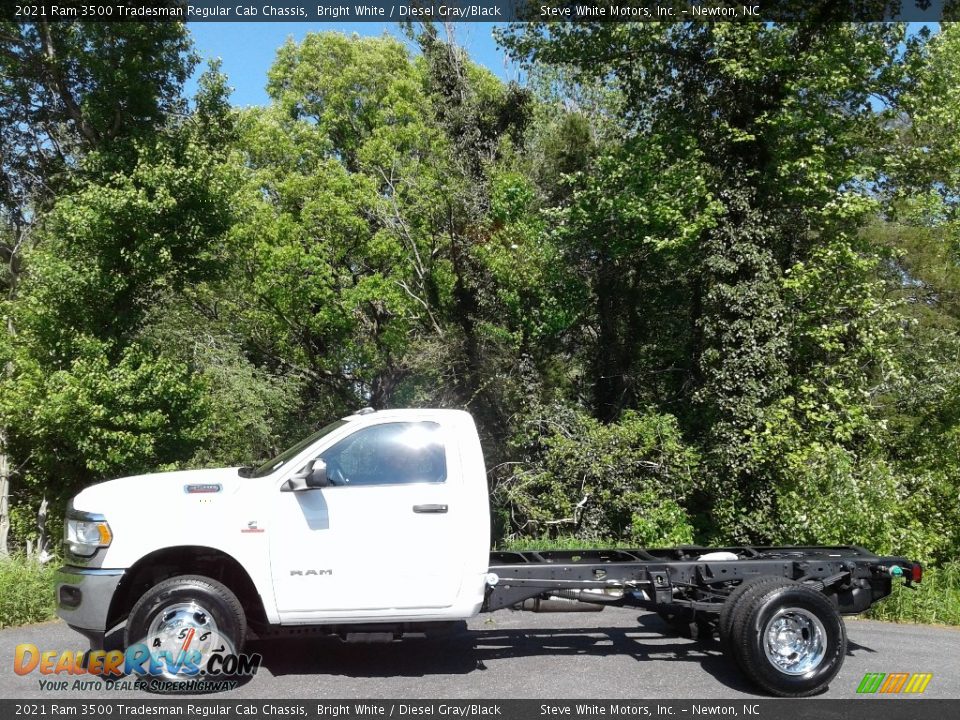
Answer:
(916, 574)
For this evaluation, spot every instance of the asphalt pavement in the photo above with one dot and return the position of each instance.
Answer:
(615, 654)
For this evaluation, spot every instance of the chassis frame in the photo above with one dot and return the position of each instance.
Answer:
(676, 579)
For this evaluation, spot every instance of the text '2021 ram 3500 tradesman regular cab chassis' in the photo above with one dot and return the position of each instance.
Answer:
(380, 522)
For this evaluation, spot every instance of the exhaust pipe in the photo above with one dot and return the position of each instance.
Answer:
(557, 604)
(572, 601)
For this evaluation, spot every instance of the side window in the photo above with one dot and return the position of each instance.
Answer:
(388, 454)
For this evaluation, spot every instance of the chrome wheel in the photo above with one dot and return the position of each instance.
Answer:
(179, 633)
(795, 641)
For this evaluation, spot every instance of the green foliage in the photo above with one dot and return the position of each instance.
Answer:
(928, 155)
(336, 248)
(96, 419)
(533, 294)
(107, 200)
(633, 257)
(85, 399)
(697, 281)
(349, 89)
(247, 411)
(826, 495)
(935, 600)
(563, 542)
(115, 245)
(74, 88)
(761, 162)
(26, 591)
(624, 481)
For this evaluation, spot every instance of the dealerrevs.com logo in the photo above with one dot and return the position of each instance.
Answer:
(199, 662)
(894, 683)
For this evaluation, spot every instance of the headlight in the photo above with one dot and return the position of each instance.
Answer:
(85, 533)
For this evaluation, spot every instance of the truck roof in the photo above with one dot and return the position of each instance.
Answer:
(407, 413)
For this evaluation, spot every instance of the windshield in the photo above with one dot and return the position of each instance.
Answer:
(280, 460)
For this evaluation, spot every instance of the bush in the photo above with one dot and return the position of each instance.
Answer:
(26, 591)
(624, 481)
(935, 600)
(826, 495)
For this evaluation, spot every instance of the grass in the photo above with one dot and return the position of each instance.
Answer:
(26, 591)
(936, 600)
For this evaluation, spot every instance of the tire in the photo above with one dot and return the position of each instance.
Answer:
(174, 607)
(734, 604)
(789, 639)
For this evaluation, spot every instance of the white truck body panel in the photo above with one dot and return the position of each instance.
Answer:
(338, 554)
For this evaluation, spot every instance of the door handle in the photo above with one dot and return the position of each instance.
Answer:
(430, 508)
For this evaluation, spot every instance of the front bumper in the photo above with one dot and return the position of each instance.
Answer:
(83, 596)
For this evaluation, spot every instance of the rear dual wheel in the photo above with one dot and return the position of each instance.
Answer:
(787, 637)
(733, 606)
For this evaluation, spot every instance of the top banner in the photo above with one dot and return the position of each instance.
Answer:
(579, 11)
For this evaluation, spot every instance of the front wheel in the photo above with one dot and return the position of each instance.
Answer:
(789, 639)
(178, 626)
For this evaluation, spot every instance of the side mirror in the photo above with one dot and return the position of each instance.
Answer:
(312, 476)
(317, 474)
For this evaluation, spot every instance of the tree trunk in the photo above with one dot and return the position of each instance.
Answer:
(12, 257)
(4, 493)
(42, 540)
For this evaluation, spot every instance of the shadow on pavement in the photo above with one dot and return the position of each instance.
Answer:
(463, 651)
(466, 651)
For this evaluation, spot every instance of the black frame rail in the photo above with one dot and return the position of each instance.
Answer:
(663, 578)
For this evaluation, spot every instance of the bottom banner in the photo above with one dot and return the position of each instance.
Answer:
(867, 709)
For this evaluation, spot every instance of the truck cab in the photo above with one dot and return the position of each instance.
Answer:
(380, 517)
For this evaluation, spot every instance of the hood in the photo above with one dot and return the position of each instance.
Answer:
(152, 489)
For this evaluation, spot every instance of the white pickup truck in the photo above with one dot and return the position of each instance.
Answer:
(380, 522)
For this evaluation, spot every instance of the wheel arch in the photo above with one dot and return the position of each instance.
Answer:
(169, 562)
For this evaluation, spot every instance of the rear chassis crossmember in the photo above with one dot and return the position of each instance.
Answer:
(668, 579)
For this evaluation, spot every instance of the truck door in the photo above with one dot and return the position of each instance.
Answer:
(383, 535)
